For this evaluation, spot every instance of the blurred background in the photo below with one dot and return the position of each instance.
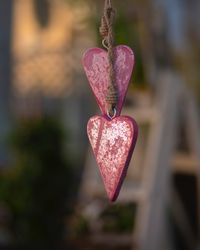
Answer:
(51, 194)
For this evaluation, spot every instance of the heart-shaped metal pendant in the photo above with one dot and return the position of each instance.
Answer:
(96, 66)
(113, 142)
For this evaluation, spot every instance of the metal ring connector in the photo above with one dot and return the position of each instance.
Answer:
(114, 114)
(104, 43)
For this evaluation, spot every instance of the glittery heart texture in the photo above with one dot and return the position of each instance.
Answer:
(96, 66)
(113, 142)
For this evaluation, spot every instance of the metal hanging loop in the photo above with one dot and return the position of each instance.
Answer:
(114, 113)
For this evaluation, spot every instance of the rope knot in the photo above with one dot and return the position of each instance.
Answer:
(103, 28)
(106, 22)
(111, 97)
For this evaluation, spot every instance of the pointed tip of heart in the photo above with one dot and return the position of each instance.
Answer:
(113, 197)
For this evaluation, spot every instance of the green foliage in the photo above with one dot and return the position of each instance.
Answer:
(79, 225)
(127, 33)
(119, 218)
(37, 188)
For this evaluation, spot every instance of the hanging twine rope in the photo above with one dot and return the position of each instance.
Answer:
(106, 32)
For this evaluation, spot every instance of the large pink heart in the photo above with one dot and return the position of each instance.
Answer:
(95, 63)
(113, 142)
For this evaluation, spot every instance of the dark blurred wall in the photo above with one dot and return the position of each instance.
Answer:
(5, 74)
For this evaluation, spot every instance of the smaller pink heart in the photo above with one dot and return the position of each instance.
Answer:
(96, 66)
(113, 142)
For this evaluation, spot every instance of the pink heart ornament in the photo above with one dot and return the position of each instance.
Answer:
(113, 142)
(95, 63)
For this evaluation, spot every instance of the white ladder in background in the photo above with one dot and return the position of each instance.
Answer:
(150, 187)
(173, 99)
(151, 221)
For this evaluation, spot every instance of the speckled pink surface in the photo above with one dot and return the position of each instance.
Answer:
(95, 63)
(113, 142)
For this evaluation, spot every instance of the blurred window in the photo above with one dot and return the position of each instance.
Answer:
(42, 11)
